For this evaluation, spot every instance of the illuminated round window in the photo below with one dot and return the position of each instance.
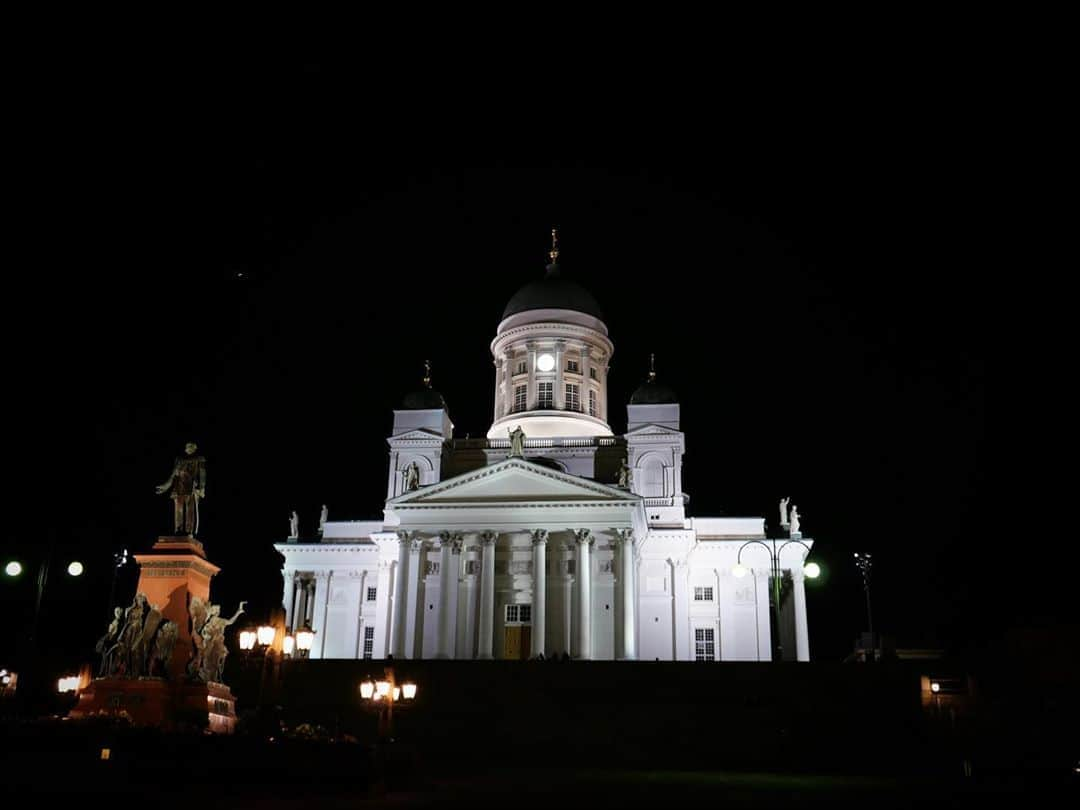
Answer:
(545, 362)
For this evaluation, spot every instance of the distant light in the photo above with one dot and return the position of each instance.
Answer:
(935, 687)
(13, 569)
(75, 569)
(812, 570)
(266, 634)
(68, 684)
(408, 690)
(367, 689)
(382, 688)
(106, 753)
(288, 644)
(739, 570)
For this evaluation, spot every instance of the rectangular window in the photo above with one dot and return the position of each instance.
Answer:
(520, 397)
(472, 566)
(518, 614)
(592, 403)
(545, 395)
(704, 645)
(573, 397)
(521, 368)
(573, 367)
(592, 372)
(371, 594)
(431, 567)
(703, 594)
(369, 641)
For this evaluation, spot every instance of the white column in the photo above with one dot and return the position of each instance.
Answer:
(802, 631)
(487, 594)
(624, 538)
(447, 580)
(584, 581)
(559, 400)
(539, 608)
(530, 394)
(288, 595)
(761, 585)
(322, 598)
(382, 610)
(414, 611)
(680, 595)
(397, 630)
(568, 606)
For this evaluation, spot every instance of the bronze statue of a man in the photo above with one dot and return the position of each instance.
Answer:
(188, 485)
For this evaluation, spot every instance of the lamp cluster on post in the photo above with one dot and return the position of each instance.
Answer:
(264, 637)
(382, 695)
(810, 571)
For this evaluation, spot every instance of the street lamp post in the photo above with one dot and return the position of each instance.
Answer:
(811, 570)
(382, 695)
(14, 569)
(864, 563)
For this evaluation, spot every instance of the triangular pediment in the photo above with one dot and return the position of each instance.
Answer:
(652, 429)
(514, 480)
(416, 434)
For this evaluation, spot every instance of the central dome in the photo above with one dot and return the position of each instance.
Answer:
(553, 292)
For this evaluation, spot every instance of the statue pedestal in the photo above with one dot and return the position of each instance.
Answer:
(174, 572)
(171, 575)
(161, 703)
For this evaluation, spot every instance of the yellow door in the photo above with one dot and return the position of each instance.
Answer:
(512, 643)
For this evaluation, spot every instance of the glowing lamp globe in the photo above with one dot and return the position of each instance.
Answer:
(545, 362)
(383, 688)
(304, 639)
(75, 569)
(397, 692)
(266, 634)
(13, 569)
(288, 644)
(740, 571)
(247, 639)
(367, 689)
(408, 690)
(935, 687)
(812, 570)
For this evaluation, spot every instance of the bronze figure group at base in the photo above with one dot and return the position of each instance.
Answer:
(140, 642)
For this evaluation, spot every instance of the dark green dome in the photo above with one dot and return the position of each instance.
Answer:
(653, 393)
(425, 399)
(553, 292)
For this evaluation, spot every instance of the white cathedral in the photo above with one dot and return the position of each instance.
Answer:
(573, 542)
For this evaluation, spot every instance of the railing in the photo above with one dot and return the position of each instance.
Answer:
(500, 444)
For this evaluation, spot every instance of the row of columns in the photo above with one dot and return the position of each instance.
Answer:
(451, 546)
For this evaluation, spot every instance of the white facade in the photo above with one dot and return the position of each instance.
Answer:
(499, 556)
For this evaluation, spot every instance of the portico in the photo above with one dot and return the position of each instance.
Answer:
(484, 540)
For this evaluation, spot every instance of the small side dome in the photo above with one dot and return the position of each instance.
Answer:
(422, 400)
(651, 392)
(425, 399)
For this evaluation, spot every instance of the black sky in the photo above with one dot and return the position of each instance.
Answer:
(259, 257)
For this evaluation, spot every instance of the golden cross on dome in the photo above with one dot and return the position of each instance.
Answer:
(652, 367)
(427, 374)
(554, 253)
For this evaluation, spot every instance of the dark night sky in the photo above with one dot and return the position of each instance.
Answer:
(802, 273)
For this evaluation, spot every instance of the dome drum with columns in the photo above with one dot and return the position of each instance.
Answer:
(572, 541)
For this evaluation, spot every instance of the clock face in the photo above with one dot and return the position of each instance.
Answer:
(545, 362)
